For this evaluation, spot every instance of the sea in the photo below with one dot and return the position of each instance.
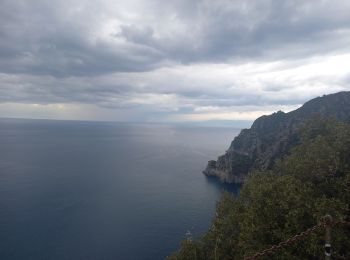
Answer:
(102, 190)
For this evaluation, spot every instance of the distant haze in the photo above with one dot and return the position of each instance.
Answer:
(205, 62)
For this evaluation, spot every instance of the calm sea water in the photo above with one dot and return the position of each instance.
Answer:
(82, 190)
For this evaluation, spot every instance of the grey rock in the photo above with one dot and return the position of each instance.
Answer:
(272, 137)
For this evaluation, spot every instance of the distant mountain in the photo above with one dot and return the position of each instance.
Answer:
(271, 137)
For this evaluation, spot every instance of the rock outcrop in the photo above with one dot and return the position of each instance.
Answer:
(271, 137)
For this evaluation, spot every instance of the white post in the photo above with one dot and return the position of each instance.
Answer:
(327, 245)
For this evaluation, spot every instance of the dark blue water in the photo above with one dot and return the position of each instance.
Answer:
(82, 190)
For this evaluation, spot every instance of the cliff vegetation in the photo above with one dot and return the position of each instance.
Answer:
(272, 137)
(293, 194)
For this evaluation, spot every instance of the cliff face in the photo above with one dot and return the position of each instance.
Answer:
(271, 137)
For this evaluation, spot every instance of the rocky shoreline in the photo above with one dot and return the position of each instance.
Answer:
(272, 137)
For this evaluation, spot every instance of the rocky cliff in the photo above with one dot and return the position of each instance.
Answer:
(271, 137)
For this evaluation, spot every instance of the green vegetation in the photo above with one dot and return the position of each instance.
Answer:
(312, 181)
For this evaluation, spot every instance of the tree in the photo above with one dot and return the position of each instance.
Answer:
(272, 206)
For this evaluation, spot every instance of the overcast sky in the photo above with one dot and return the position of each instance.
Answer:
(169, 61)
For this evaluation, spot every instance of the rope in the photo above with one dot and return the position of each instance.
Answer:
(298, 237)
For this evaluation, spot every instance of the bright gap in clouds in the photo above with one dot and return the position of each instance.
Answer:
(201, 92)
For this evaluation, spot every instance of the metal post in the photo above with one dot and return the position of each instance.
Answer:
(327, 245)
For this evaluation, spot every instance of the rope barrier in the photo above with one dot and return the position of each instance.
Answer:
(326, 223)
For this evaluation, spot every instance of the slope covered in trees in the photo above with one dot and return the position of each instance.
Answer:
(272, 137)
(314, 180)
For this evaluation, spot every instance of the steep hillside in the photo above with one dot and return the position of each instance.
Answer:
(313, 181)
(271, 137)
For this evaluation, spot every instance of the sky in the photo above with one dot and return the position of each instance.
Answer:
(181, 61)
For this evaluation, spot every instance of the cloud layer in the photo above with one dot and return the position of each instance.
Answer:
(169, 60)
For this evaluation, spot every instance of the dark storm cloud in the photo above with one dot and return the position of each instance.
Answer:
(225, 30)
(48, 89)
(124, 91)
(42, 38)
(54, 38)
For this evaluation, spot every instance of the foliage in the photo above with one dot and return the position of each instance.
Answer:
(272, 206)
